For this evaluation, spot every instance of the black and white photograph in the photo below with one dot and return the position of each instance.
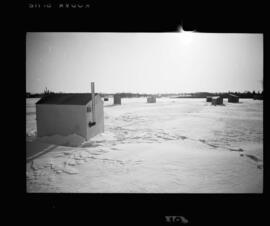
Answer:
(172, 112)
(140, 112)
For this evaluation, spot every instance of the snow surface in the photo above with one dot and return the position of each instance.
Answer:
(72, 140)
(174, 146)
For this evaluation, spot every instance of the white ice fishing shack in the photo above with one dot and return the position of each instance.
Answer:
(70, 113)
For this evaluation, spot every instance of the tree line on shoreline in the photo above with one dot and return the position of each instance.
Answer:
(246, 94)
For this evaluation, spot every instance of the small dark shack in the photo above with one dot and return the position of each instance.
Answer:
(257, 97)
(208, 99)
(106, 98)
(233, 98)
(116, 99)
(217, 100)
(151, 99)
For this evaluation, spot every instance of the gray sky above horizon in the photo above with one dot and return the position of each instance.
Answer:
(144, 62)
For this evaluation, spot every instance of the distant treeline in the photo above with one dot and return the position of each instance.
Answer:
(38, 95)
(122, 95)
(125, 95)
(247, 94)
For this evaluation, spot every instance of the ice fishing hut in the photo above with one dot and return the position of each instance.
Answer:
(208, 99)
(233, 98)
(217, 100)
(151, 99)
(116, 99)
(70, 113)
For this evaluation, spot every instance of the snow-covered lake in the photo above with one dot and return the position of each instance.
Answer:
(174, 145)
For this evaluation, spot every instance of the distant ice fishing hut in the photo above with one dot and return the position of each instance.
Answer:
(151, 99)
(72, 113)
(208, 99)
(116, 99)
(233, 98)
(217, 100)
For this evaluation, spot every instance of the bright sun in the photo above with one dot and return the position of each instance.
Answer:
(186, 36)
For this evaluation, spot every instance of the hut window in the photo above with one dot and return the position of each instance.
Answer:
(88, 109)
(91, 124)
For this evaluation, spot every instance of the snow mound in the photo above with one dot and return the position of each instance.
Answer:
(72, 140)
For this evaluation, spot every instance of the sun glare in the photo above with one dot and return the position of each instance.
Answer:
(186, 36)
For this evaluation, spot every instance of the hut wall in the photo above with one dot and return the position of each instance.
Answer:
(217, 101)
(151, 100)
(233, 99)
(208, 99)
(60, 119)
(116, 99)
(99, 126)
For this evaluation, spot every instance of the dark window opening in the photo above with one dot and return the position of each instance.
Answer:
(91, 124)
(88, 109)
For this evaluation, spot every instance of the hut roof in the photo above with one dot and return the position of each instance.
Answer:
(232, 95)
(66, 99)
